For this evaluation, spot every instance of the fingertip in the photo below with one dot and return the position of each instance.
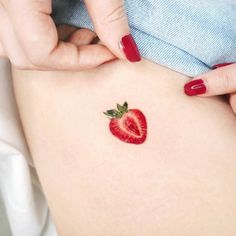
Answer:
(217, 82)
(222, 65)
(111, 24)
(195, 87)
(130, 48)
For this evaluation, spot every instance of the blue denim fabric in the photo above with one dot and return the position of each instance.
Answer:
(188, 36)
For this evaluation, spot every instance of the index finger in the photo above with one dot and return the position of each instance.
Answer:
(111, 24)
(217, 82)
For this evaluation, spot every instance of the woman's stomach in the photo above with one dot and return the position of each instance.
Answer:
(180, 181)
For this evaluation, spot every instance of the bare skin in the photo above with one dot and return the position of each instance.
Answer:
(181, 181)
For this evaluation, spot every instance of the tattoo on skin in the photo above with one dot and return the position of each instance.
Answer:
(128, 125)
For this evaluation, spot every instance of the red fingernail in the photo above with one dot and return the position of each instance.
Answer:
(130, 49)
(222, 65)
(195, 87)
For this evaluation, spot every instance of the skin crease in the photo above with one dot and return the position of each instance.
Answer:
(181, 181)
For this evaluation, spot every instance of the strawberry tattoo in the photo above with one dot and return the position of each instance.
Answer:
(128, 125)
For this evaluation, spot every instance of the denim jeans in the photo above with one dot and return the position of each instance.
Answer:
(187, 36)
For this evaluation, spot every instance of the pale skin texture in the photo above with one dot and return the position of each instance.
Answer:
(181, 181)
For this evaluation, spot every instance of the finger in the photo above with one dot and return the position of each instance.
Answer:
(39, 39)
(222, 65)
(111, 25)
(232, 101)
(82, 37)
(73, 58)
(216, 82)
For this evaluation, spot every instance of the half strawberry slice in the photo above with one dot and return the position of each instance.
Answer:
(128, 125)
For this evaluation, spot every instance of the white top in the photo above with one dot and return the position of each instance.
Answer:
(23, 209)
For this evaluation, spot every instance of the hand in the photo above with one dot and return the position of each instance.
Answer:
(111, 25)
(29, 38)
(222, 80)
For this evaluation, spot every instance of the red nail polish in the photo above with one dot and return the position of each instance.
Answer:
(130, 49)
(195, 87)
(222, 65)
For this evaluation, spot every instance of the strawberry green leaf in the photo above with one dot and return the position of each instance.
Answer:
(121, 108)
(125, 105)
(112, 113)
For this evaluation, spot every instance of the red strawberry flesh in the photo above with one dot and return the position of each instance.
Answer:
(129, 126)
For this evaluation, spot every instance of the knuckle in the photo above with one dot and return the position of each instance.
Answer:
(228, 84)
(116, 15)
(38, 59)
(229, 80)
(39, 56)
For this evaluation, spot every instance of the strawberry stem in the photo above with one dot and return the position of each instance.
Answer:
(121, 110)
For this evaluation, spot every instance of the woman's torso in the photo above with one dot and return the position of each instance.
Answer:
(181, 181)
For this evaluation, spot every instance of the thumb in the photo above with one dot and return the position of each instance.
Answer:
(111, 25)
(220, 81)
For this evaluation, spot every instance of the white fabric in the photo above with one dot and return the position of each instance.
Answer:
(23, 209)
